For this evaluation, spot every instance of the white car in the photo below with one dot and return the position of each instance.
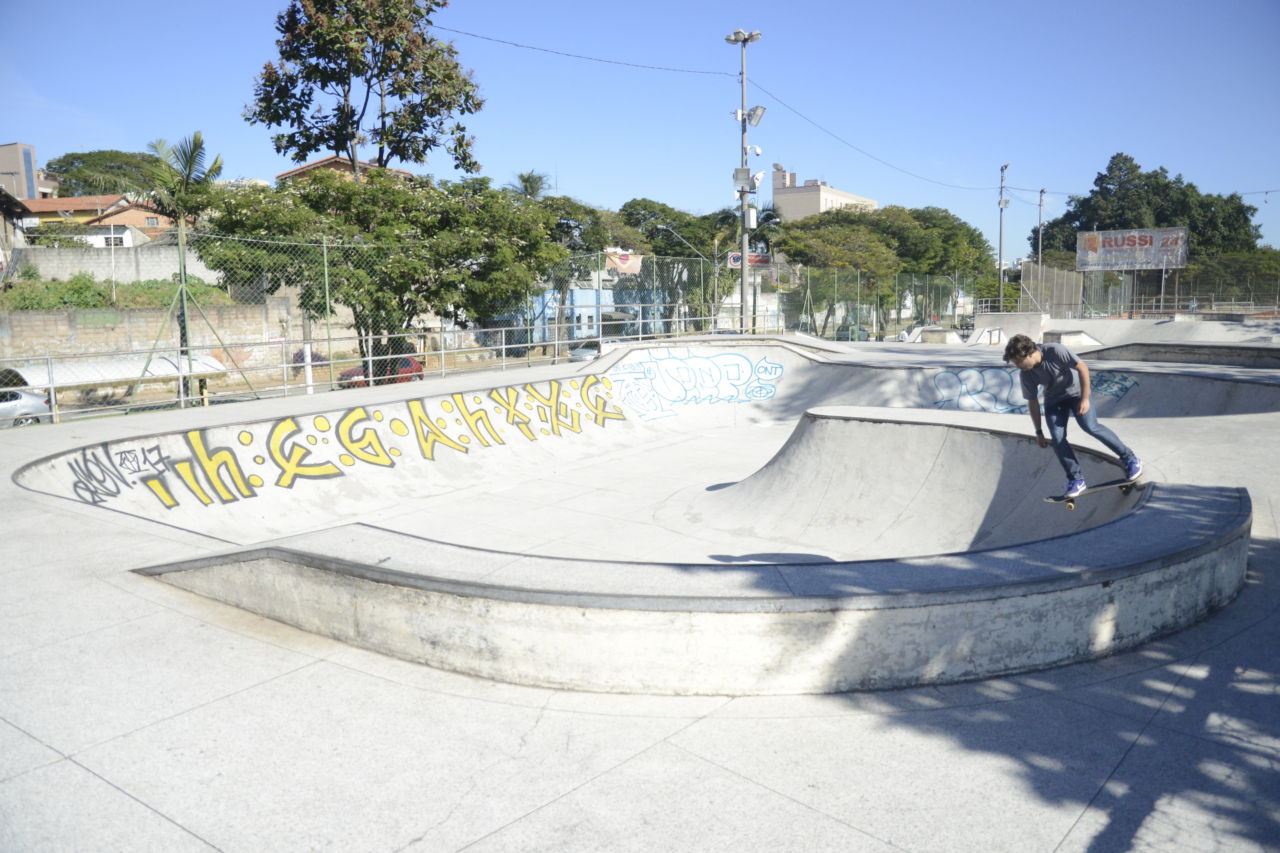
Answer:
(20, 408)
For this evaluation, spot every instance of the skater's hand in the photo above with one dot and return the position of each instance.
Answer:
(1042, 441)
(1084, 406)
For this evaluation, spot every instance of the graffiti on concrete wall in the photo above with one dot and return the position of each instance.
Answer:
(1111, 384)
(222, 466)
(999, 389)
(970, 389)
(655, 383)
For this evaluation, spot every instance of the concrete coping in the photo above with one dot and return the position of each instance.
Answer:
(1171, 523)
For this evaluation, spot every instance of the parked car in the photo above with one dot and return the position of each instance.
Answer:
(402, 368)
(846, 332)
(20, 408)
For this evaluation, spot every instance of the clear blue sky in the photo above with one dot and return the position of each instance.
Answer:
(904, 102)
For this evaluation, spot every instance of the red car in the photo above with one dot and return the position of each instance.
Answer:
(401, 368)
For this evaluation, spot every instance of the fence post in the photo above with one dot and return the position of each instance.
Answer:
(53, 391)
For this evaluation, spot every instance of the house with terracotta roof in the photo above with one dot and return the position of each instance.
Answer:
(136, 214)
(76, 210)
(341, 165)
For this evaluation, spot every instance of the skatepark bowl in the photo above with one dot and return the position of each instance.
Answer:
(746, 516)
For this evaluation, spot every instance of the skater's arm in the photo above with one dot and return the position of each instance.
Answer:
(1084, 386)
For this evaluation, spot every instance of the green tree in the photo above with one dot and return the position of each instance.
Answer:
(182, 181)
(531, 185)
(1124, 197)
(356, 72)
(401, 249)
(104, 171)
(837, 240)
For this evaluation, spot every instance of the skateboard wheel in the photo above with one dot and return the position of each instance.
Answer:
(1071, 505)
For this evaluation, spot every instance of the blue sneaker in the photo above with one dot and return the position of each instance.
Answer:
(1132, 467)
(1074, 488)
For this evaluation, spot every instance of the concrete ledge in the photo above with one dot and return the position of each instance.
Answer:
(867, 625)
(1233, 355)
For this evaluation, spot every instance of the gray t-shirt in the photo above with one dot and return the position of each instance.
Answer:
(1056, 372)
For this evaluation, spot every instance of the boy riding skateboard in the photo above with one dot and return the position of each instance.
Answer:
(1066, 393)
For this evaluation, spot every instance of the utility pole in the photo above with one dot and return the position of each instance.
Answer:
(743, 38)
(1040, 233)
(1004, 202)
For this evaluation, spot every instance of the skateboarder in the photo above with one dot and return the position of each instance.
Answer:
(1066, 393)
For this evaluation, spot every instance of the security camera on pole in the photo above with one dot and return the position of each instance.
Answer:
(742, 176)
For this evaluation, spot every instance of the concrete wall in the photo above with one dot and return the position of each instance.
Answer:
(140, 263)
(33, 334)
(1030, 323)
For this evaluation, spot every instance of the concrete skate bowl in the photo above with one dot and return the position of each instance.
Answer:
(989, 580)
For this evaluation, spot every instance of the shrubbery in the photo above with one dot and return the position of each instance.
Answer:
(83, 291)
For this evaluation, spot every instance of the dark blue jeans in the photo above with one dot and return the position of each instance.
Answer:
(1057, 414)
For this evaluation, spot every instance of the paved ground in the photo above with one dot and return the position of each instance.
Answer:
(134, 716)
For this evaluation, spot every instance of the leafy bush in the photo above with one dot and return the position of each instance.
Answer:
(82, 291)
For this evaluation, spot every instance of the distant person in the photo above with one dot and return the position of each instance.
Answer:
(1066, 393)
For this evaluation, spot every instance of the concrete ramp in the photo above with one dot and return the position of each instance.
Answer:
(871, 489)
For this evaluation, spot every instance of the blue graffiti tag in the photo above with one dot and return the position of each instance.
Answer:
(991, 389)
(654, 383)
(999, 390)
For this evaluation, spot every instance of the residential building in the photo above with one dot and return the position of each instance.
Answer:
(76, 210)
(341, 165)
(19, 174)
(794, 202)
(13, 215)
(137, 215)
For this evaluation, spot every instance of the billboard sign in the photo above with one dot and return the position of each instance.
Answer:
(1135, 249)
(754, 259)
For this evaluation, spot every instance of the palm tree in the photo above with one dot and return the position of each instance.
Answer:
(531, 185)
(181, 182)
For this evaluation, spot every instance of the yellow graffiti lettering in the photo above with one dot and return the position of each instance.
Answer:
(508, 399)
(597, 404)
(368, 446)
(188, 475)
(476, 420)
(552, 410)
(291, 464)
(217, 465)
(157, 486)
(429, 434)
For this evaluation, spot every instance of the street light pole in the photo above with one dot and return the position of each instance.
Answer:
(1003, 204)
(743, 38)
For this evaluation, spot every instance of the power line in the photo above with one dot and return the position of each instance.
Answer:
(846, 142)
(801, 115)
(584, 58)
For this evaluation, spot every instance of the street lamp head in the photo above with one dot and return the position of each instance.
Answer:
(740, 36)
(754, 115)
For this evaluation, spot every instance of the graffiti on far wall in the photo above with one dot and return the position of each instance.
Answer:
(999, 389)
(207, 467)
(655, 383)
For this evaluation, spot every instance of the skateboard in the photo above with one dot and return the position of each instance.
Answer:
(1125, 487)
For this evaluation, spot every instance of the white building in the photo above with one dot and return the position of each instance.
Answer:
(793, 202)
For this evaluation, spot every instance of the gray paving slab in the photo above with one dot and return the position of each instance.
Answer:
(64, 806)
(697, 804)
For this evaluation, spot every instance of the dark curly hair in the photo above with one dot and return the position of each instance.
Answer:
(1018, 348)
